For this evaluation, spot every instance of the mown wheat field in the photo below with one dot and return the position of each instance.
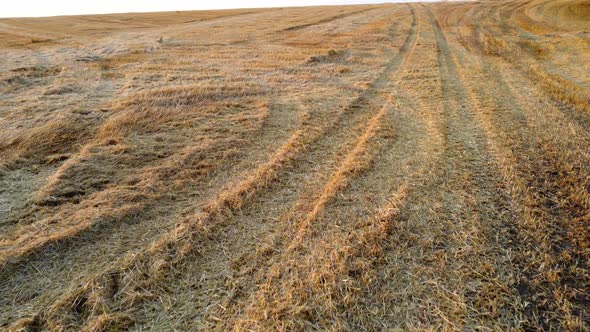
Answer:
(378, 167)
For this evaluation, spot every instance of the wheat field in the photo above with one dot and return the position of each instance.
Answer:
(394, 167)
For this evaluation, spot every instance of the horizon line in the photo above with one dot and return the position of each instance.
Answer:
(123, 12)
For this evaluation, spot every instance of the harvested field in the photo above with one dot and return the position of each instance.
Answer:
(419, 166)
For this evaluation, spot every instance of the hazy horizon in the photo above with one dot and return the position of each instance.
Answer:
(38, 8)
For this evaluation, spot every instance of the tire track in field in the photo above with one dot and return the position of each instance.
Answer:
(439, 263)
(182, 236)
(96, 229)
(298, 230)
(566, 153)
(476, 207)
(548, 202)
(335, 262)
(325, 20)
(280, 205)
(370, 101)
(282, 211)
(526, 161)
(278, 300)
(572, 96)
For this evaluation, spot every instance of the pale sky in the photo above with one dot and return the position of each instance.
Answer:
(31, 8)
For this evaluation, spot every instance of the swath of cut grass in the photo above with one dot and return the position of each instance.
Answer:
(396, 166)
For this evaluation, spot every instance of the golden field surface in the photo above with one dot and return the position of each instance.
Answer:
(350, 168)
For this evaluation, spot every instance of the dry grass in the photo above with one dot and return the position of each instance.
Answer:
(374, 167)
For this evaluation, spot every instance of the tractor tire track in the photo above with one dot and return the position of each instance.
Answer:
(293, 206)
(304, 167)
(541, 184)
(444, 261)
(357, 110)
(325, 20)
(515, 144)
